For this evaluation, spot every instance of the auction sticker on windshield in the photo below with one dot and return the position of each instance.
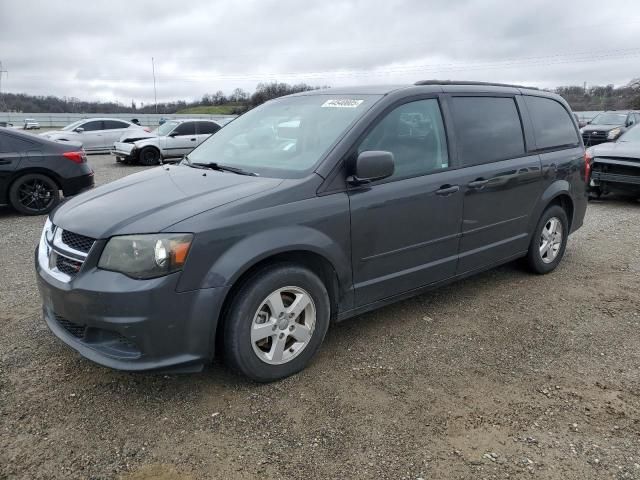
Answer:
(342, 103)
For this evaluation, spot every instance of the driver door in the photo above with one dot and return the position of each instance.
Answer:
(181, 140)
(406, 228)
(92, 137)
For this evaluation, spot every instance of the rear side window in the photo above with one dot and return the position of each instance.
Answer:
(207, 127)
(487, 129)
(114, 124)
(186, 128)
(552, 125)
(9, 143)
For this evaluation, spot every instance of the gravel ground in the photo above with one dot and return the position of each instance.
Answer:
(503, 375)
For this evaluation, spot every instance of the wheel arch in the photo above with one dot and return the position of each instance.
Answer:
(558, 193)
(307, 258)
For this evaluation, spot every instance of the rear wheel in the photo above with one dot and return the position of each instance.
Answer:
(549, 240)
(149, 156)
(276, 323)
(34, 194)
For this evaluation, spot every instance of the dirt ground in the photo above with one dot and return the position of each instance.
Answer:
(503, 375)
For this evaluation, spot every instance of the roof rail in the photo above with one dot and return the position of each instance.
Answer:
(466, 82)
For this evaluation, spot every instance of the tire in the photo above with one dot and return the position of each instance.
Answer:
(149, 156)
(34, 194)
(267, 343)
(544, 258)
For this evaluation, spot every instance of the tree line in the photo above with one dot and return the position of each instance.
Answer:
(580, 98)
(239, 100)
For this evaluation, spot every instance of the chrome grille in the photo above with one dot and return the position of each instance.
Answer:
(67, 265)
(62, 253)
(77, 242)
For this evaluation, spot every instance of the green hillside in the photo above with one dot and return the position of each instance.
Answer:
(227, 109)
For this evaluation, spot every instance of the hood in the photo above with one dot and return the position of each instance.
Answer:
(599, 128)
(150, 201)
(617, 149)
(136, 134)
(53, 133)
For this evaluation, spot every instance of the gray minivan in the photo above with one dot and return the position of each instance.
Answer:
(309, 209)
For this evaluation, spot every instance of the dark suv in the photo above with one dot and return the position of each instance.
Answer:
(309, 209)
(608, 126)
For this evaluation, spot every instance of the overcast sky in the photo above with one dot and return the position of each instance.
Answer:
(102, 49)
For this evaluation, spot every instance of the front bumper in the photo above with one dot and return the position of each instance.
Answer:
(616, 173)
(127, 324)
(126, 151)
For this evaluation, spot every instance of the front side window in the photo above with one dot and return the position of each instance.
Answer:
(186, 128)
(552, 125)
(488, 129)
(286, 137)
(92, 126)
(414, 133)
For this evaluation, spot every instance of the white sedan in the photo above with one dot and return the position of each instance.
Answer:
(172, 139)
(95, 134)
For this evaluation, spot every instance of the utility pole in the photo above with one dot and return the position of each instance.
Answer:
(1, 72)
(155, 93)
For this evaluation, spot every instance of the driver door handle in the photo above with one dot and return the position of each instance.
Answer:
(479, 183)
(445, 190)
(193, 139)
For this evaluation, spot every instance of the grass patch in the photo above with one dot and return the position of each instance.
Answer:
(211, 109)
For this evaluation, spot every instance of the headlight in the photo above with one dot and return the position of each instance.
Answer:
(146, 256)
(613, 134)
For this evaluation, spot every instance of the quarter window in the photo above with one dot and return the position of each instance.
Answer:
(487, 129)
(114, 124)
(414, 133)
(552, 125)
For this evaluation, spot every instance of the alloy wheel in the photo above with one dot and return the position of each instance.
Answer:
(551, 240)
(283, 325)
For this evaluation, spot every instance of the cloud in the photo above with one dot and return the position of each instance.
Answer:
(103, 50)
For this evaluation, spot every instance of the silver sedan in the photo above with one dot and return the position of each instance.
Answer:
(95, 134)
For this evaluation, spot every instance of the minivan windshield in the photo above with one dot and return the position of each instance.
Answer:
(610, 119)
(283, 138)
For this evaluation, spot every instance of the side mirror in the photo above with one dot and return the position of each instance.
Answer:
(78, 130)
(173, 134)
(372, 165)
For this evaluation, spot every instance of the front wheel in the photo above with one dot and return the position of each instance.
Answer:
(549, 240)
(276, 323)
(149, 156)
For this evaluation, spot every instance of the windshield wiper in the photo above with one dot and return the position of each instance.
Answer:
(221, 168)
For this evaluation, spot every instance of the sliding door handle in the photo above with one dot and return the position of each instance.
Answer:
(445, 190)
(479, 183)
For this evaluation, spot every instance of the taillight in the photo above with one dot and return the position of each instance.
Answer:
(587, 166)
(148, 130)
(77, 157)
